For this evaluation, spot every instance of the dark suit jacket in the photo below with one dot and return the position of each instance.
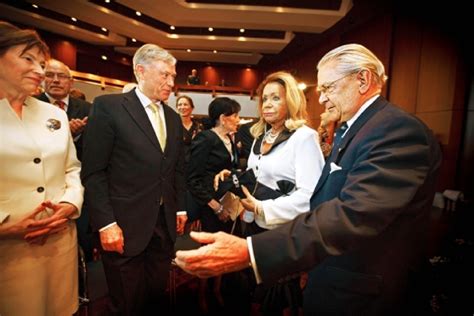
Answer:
(364, 234)
(125, 172)
(77, 109)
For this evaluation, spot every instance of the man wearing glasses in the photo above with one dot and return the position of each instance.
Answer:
(363, 239)
(57, 84)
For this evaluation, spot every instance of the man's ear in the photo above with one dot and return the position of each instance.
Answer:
(364, 77)
(139, 70)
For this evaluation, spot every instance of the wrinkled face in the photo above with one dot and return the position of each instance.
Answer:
(156, 80)
(338, 92)
(184, 107)
(21, 72)
(231, 122)
(58, 81)
(274, 108)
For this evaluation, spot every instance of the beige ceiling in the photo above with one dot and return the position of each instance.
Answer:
(244, 50)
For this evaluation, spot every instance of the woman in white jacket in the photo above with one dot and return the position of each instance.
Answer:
(40, 188)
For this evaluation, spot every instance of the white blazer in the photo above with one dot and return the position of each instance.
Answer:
(38, 162)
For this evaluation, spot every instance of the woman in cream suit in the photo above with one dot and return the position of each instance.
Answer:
(40, 189)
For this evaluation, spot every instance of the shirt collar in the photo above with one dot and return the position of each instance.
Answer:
(144, 100)
(361, 110)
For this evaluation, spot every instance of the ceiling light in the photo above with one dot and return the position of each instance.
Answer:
(210, 29)
(34, 6)
(134, 40)
(74, 19)
(104, 29)
(242, 30)
(107, 1)
(188, 50)
(214, 51)
(241, 39)
(172, 27)
(301, 85)
(173, 36)
(103, 57)
(212, 37)
(138, 13)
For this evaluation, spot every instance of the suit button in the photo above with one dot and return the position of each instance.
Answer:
(36, 160)
(164, 157)
(40, 189)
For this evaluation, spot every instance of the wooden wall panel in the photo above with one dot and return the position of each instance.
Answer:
(403, 78)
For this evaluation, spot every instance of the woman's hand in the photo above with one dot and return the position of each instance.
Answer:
(220, 177)
(219, 210)
(249, 203)
(58, 222)
(30, 228)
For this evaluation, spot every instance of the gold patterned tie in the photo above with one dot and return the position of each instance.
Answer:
(159, 126)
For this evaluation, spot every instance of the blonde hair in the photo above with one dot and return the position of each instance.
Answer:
(295, 102)
(352, 58)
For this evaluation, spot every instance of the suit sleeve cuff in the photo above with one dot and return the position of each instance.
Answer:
(253, 263)
(107, 226)
(181, 213)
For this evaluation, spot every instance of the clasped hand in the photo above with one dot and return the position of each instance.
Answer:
(37, 231)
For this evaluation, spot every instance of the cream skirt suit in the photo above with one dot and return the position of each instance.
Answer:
(37, 163)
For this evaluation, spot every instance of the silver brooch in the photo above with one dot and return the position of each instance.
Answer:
(53, 124)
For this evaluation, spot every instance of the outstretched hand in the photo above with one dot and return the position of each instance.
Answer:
(223, 253)
(224, 173)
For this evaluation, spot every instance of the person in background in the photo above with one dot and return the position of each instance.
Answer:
(193, 78)
(244, 140)
(211, 151)
(57, 85)
(185, 107)
(285, 150)
(364, 238)
(133, 174)
(78, 94)
(326, 128)
(40, 188)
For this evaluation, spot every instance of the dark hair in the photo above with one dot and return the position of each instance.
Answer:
(187, 98)
(223, 105)
(11, 36)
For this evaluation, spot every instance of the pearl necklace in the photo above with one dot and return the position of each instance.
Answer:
(270, 137)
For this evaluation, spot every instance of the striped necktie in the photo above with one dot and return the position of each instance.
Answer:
(159, 126)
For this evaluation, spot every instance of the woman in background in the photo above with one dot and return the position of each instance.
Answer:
(185, 107)
(211, 151)
(40, 189)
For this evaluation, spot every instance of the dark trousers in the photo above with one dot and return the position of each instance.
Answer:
(137, 284)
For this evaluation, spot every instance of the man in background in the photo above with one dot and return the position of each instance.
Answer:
(57, 85)
(193, 78)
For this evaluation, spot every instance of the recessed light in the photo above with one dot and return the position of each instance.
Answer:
(74, 19)
(242, 30)
(107, 1)
(134, 40)
(188, 50)
(241, 39)
(138, 13)
(34, 6)
(103, 57)
(301, 85)
(104, 29)
(172, 27)
(214, 51)
(210, 29)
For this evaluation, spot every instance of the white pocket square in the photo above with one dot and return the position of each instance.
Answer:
(334, 167)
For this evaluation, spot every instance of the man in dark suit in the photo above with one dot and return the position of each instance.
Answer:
(133, 174)
(57, 85)
(363, 239)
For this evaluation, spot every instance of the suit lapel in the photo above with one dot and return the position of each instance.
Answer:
(132, 105)
(353, 130)
(72, 109)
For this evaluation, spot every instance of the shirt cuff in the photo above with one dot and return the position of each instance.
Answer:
(107, 226)
(252, 261)
(3, 216)
(181, 213)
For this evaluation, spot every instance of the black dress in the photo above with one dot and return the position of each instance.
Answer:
(209, 156)
(188, 135)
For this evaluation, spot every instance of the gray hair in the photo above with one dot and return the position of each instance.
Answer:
(352, 58)
(149, 53)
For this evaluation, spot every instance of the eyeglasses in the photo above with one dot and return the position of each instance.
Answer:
(328, 87)
(61, 76)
